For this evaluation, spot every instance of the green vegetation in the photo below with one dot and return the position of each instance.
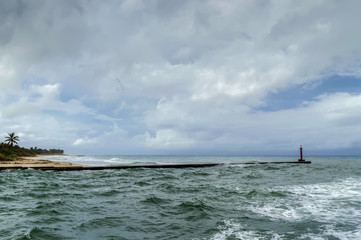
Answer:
(12, 139)
(40, 151)
(10, 150)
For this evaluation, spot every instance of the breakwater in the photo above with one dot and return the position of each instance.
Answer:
(93, 168)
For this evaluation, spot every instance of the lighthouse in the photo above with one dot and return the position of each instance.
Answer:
(301, 155)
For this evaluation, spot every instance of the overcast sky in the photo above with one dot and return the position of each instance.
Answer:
(182, 77)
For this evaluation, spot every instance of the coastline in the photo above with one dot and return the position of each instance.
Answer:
(38, 161)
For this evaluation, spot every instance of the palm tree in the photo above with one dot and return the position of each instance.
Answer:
(12, 139)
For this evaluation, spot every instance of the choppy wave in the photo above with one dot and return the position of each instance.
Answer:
(229, 229)
(326, 202)
(317, 201)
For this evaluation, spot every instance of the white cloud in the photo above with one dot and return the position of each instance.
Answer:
(41, 98)
(185, 75)
(85, 140)
(328, 122)
(168, 138)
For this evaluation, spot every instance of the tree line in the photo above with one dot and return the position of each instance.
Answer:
(46, 151)
(10, 150)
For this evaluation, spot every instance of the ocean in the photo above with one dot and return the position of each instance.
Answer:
(321, 200)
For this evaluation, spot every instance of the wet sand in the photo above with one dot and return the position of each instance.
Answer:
(37, 161)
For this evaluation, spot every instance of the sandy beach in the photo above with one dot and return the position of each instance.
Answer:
(37, 161)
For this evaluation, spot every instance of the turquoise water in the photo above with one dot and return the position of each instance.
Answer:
(321, 200)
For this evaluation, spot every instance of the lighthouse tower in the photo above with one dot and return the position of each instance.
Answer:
(301, 155)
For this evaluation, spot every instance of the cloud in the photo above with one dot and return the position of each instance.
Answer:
(165, 138)
(41, 98)
(100, 44)
(86, 140)
(327, 122)
(193, 74)
(39, 116)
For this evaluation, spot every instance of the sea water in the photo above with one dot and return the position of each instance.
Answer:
(321, 200)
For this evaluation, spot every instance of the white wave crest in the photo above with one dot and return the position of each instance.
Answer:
(235, 230)
(333, 203)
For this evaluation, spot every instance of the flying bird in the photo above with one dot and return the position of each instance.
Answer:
(121, 86)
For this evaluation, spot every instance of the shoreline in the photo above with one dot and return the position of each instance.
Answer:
(42, 157)
(67, 166)
(38, 161)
